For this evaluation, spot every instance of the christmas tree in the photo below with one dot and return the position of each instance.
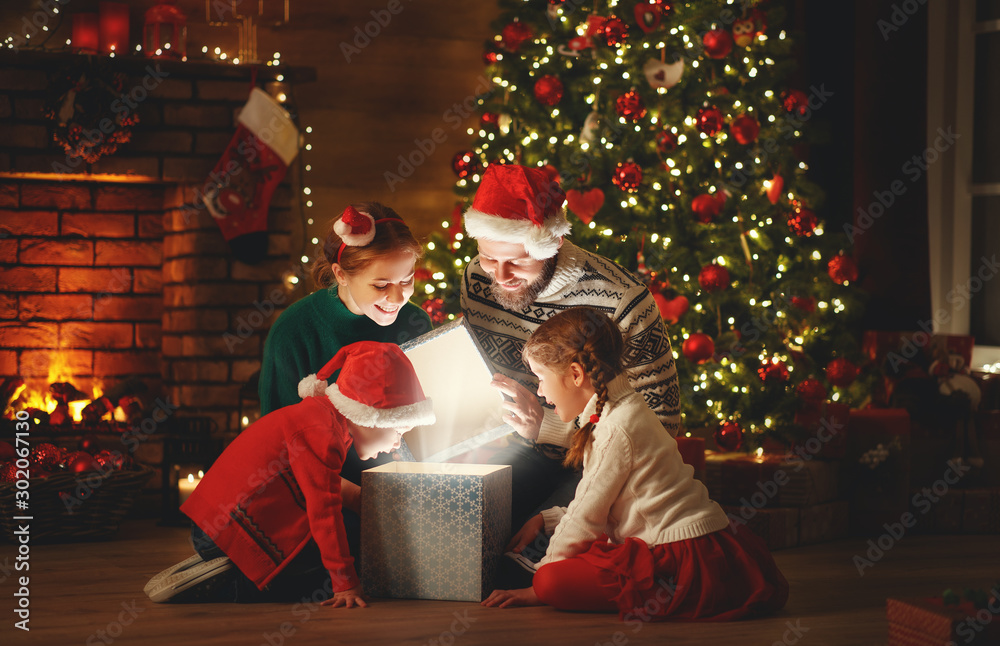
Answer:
(675, 135)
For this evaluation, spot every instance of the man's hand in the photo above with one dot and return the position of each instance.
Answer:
(527, 534)
(347, 599)
(525, 413)
(350, 495)
(511, 598)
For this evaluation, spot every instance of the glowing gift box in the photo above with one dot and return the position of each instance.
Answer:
(454, 375)
(433, 531)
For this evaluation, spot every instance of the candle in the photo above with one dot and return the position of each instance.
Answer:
(186, 486)
(114, 27)
(85, 38)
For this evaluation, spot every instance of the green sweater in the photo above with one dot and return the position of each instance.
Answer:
(311, 331)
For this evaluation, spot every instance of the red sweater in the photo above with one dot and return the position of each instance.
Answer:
(275, 487)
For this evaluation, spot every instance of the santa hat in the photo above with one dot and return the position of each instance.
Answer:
(521, 205)
(377, 387)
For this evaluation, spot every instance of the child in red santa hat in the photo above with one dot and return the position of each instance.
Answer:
(267, 515)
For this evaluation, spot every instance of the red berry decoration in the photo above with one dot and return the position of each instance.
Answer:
(805, 303)
(729, 436)
(435, 309)
(666, 142)
(465, 163)
(615, 31)
(489, 121)
(627, 176)
(795, 101)
(513, 35)
(803, 223)
(698, 348)
(46, 456)
(773, 371)
(630, 106)
(842, 269)
(489, 58)
(841, 372)
(745, 129)
(707, 207)
(811, 391)
(709, 120)
(713, 278)
(549, 90)
(718, 43)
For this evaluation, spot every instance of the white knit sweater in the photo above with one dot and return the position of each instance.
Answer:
(580, 278)
(634, 484)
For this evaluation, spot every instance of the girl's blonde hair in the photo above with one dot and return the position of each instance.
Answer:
(391, 236)
(586, 336)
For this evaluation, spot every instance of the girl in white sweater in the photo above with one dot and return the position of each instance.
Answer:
(641, 537)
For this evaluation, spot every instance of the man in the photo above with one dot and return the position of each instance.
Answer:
(525, 273)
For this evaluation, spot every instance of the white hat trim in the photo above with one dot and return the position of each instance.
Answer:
(351, 239)
(417, 414)
(311, 386)
(540, 242)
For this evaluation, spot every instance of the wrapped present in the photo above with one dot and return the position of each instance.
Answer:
(433, 531)
(826, 425)
(769, 480)
(824, 522)
(876, 470)
(930, 622)
(454, 375)
(943, 511)
(692, 450)
(778, 527)
(981, 511)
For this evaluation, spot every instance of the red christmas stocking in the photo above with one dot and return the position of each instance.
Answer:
(238, 190)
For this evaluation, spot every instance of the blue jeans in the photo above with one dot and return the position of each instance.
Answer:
(304, 578)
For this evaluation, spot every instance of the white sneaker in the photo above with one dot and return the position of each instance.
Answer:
(183, 565)
(173, 584)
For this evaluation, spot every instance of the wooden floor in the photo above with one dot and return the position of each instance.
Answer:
(92, 594)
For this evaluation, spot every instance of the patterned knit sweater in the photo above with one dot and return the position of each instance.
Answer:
(580, 278)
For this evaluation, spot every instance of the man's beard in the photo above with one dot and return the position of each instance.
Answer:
(525, 295)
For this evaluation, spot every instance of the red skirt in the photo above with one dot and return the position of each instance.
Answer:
(722, 576)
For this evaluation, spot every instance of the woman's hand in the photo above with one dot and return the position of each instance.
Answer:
(527, 534)
(525, 413)
(347, 599)
(512, 598)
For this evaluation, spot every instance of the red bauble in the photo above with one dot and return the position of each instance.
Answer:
(630, 106)
(549, 90)
(709, 120)
(841, 372)
(729, 436)
(435, 309)
(713, 278)
(466, 163)
(745, 129)
(805, 303)
(647, 15)
(47, 456)
(698, 347)
(671, 309)
(718, 43)
(8, 473)
(666, 142)
(7, 451)
(514, 34)
(842, 269)
(803, 223)
(795, 101)
(773, 371)
(811, 391)
(489, 121)
(707, 207)
(615, 31)
(627, 176)
(82, 462)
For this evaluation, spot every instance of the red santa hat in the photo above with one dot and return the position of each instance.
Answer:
(377, 387)
(521, 205)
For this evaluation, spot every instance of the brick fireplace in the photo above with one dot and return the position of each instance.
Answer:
(115, 271)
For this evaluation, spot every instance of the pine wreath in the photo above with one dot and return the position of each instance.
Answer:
(90, 118)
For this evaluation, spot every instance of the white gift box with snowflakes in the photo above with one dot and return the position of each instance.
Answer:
(433, 531)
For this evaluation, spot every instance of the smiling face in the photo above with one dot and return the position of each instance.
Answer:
(380, 289)
(369, 441)
(569, 390)
(517, 277)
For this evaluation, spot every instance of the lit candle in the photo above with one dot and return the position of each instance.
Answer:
(85, 38)
(186, 486)
(114, 27)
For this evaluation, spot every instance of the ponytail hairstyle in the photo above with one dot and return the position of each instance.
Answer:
(586, 336)
(391, 236)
